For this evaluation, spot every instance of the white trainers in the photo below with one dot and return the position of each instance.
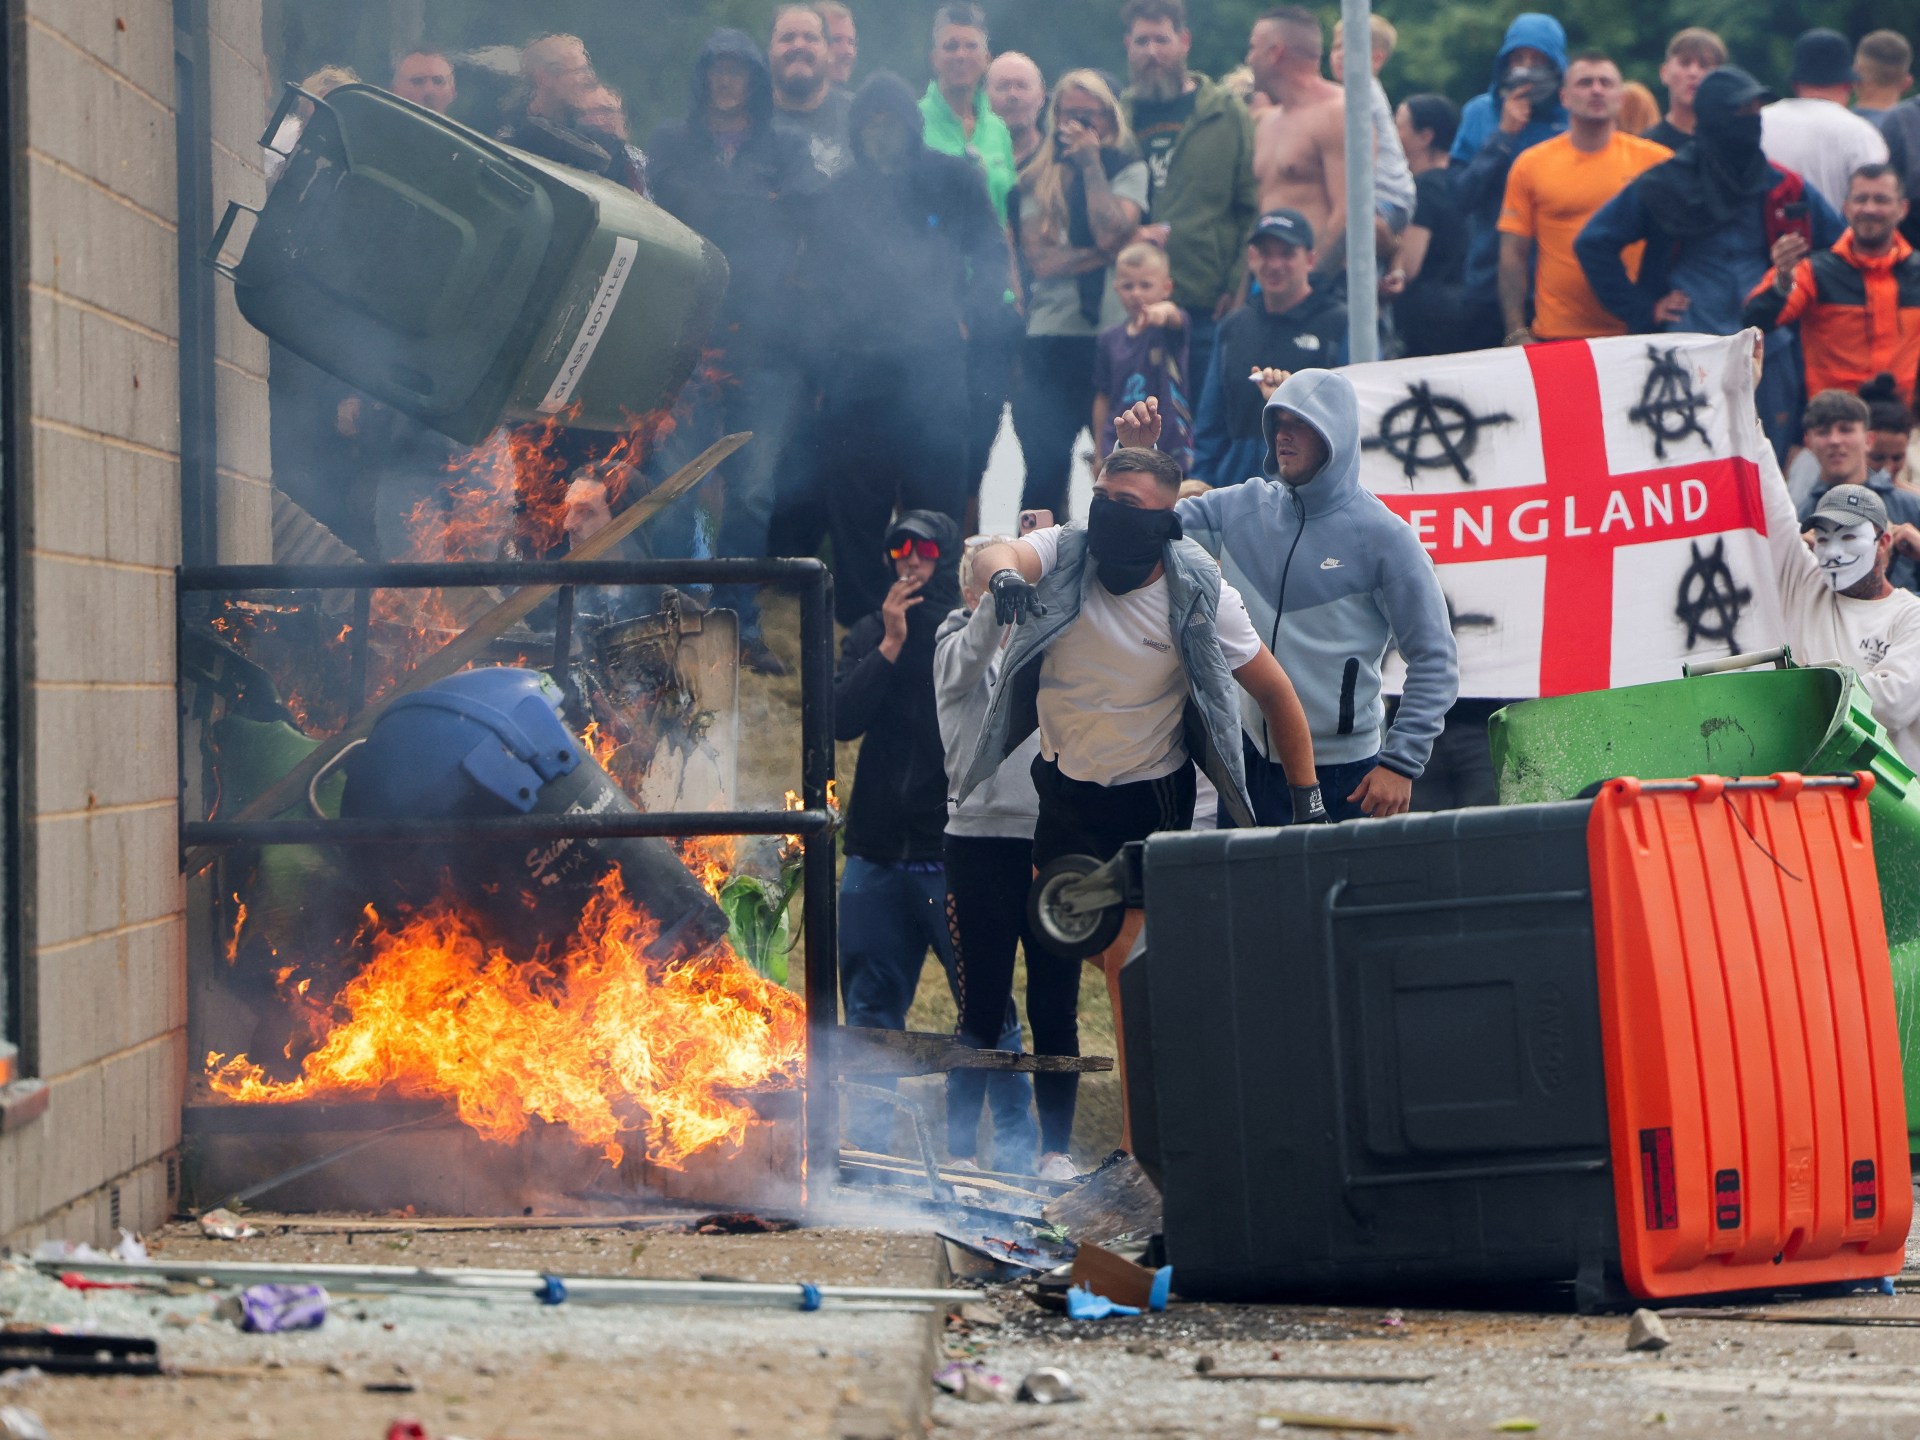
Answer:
(965, 1194)
(1054, 1165)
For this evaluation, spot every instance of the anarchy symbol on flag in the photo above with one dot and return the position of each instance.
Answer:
(1610, 526)
(1424, 419)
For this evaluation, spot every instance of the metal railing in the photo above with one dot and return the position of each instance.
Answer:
(814, 823)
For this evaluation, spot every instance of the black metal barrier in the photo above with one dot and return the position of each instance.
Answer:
(814, 823)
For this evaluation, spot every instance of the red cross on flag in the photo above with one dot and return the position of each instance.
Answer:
(1593, 506)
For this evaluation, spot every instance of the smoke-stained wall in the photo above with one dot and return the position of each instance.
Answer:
(103, 1008)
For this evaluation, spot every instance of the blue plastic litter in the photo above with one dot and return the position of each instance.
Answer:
(1162, 1287)
(552, 1291)
(1083, 1304)
(809, 1296)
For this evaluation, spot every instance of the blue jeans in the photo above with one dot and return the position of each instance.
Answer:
(889, 916)
(1273, 800)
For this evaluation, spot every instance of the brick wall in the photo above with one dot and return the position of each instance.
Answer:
(105, 1018)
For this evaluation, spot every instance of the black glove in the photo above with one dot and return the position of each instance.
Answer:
(1013, 598)
(1308, 807)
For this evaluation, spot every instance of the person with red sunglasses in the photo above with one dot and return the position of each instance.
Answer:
(893, 889)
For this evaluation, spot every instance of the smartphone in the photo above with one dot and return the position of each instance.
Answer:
(1791, 219)
(1032, 520)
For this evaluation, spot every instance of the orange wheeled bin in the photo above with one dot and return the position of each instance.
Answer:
(1755, 1098)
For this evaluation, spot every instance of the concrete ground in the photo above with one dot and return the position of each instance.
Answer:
(1444, 1373)
(508, 1370)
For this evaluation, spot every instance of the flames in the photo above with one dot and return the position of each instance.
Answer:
(595, 1039)
(709, 859)
(592, 1036)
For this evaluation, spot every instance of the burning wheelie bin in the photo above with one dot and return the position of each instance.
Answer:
(1726, 720)
(464, 282)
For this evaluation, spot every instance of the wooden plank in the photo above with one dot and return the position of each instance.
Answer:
(1313, 1377)
(1025, 1182)
(471, 643)
(974, 1178)
(325, 1225)
(901, 1053)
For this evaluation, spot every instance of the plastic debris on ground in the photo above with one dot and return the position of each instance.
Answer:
(1121, 1279)
(1049, 1386)
(225, 1225)
(972, 1381)
(19, 1423)
(1304, 1420)
(1085, 1305)
(272, 1309)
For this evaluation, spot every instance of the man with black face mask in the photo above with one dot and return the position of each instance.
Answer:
(1126, 655)
(1709, 219)
(1128, 641)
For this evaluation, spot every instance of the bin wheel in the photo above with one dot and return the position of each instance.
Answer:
(1061, 926)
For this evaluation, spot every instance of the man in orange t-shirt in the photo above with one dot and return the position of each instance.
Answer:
(1552, 191)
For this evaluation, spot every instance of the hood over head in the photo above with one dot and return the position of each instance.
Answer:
(885, 93)
(741, 46)
(1722, 171)
(1325, 400)
(942, 591)
(1540, 32)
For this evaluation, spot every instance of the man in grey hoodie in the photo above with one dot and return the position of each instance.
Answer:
(1331, 577)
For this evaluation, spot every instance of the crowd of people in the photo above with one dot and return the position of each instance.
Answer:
(1157, 258)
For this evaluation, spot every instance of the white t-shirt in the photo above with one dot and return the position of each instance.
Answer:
(1878, 638)
(1821, 141)
(1112, 686)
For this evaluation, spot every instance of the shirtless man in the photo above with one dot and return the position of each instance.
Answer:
(1299, 146)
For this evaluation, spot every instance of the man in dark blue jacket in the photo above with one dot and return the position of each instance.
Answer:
(1291, 326)
(1521, 107)
(1709, 218)
(733, 176)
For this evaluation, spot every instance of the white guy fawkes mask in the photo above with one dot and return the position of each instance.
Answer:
(1845, 552)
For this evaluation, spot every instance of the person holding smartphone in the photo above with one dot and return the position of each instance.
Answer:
(1844, 297)
(1080, 201)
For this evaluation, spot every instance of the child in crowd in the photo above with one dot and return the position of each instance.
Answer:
(1144, 357)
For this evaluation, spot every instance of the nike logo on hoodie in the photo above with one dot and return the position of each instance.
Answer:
(1329, 564)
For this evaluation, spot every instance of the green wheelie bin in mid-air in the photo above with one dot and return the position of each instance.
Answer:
(464, 282)
(1723, 719)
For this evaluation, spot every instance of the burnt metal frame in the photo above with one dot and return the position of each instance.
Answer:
(815, 823)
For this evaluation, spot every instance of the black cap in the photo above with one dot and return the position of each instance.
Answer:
(1289, 226)
(1730, 87)
(1822, 57)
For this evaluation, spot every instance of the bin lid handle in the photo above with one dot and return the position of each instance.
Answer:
(1780, 657)
(219, 241)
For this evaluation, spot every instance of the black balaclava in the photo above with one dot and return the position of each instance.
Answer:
(1126, 542)
(940, 596)
(1717, 175)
